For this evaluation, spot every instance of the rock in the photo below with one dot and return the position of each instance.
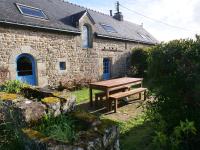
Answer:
(53, 105)
(111, 137)
(28, 111)
(68, 104)
(35, 140)
(95, 145)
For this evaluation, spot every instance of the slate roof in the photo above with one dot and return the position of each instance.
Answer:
(60, 16)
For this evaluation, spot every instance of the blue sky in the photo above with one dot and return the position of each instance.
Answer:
(183, 14)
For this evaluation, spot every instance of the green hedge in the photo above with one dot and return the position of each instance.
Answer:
(139, 62)
(174, 79)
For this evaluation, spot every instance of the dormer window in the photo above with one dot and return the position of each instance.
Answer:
(86, 37)
(31, 11)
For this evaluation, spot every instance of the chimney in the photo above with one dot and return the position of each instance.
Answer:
(111, 13)
(118, 15)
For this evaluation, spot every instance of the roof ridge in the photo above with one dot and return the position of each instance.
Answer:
(86, 8)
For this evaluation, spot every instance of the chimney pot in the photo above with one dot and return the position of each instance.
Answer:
(111, 13)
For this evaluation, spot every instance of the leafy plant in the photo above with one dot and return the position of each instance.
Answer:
(60, 128)
(139, 62)
(178, 139)
(10, 130)
(174, 78)
(13, 86)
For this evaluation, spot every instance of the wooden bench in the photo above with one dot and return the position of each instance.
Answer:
(101, 95)
(120, 95)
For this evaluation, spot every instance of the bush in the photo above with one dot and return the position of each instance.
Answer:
(174, 78)
(10, 130)
(13, 86)
(179, 138)
(139, 62)
(60, 128)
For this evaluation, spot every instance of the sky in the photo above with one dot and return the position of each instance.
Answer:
(175, 19)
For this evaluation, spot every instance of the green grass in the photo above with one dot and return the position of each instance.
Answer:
(135, 134)
(83, 95)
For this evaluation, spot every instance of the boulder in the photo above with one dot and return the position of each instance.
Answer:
(53, 105)
(68, 104)
(28, 111)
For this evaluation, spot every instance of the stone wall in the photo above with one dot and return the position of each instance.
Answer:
(108, 139)
(50, 48)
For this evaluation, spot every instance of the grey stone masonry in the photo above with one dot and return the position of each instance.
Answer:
(51, 48)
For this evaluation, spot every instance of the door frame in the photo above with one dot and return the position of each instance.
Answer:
(34, 67)
(110, 65)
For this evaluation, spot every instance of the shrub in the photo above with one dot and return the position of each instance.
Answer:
(10, 130)
(174, 78)
(139, 62)
(178, 139)
(13, 86)
(60, 128)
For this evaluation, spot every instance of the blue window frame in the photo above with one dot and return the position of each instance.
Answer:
(62, 65)
(31, 11)
(108, 28)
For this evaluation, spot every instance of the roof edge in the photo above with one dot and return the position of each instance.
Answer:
(39, 27)
(124, 39)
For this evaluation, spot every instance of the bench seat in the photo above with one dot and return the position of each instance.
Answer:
(120, 95)
(116, 90)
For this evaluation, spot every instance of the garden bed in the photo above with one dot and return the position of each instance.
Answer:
(77, 130)
(48, 120)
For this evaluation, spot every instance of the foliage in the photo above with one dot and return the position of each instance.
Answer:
(10, 130)
(179, 138)
(135, 133)
(139, 62)
(174, 78)
(60, 128)
(13, 86)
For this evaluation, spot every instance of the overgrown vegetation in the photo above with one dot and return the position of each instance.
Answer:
(139, 62)
(13, 86)
(174, 78)
(61, 128)
(10, 133)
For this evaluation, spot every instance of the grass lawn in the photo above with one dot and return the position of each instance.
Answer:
(135, 133)
(83, 95)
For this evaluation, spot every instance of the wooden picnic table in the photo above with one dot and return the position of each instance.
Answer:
(110, 85)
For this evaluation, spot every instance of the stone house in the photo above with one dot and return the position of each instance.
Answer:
(44, 42)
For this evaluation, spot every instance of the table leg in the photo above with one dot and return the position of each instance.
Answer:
(91, 99)
(116, 103)
(107, 100)
(140, 96)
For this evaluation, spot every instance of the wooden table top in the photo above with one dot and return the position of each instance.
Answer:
(116, 82)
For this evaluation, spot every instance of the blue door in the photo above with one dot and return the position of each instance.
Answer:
(26, 69)
(106, 68)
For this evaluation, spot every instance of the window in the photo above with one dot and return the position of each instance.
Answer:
(143, 36)
(86, 37)
(108, 28)
(62, 65)
(31, 11)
